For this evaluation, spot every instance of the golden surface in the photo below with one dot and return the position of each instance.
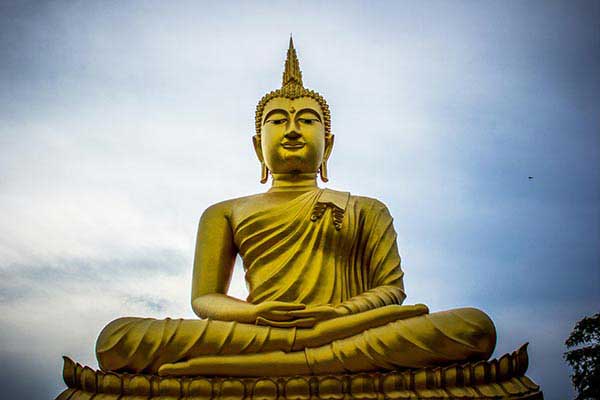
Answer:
(322, 268)
(501, 378)
(324, 317)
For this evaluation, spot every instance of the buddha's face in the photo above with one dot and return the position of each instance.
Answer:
(292, 138)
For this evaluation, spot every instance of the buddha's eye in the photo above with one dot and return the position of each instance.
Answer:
(307, 121)
(278, 121)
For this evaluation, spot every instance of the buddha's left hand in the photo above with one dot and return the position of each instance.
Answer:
(320, 313)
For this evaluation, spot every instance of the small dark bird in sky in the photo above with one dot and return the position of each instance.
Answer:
(530, 177)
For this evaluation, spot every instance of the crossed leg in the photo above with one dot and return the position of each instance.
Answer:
(285, 363)
(396, 336)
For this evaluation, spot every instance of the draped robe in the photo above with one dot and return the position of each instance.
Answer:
(295, 252)
(322, 247)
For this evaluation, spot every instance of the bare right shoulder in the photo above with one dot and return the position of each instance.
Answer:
(226, 208)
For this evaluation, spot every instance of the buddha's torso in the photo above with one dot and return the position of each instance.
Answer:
(290, 257)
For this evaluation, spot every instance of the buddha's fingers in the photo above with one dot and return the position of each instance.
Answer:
(340, 328)
(296, 323)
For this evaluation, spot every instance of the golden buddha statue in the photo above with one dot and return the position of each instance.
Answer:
(325, 296)
(322, 268)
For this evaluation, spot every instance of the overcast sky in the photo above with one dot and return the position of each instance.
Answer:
(120, 122)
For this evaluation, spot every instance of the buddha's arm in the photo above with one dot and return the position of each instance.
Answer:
(213, 265)
(384, 272)
(345, 326)
(380, 296)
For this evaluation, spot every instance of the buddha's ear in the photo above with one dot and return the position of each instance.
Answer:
(258, 148)
(264, 171)
(328, 147)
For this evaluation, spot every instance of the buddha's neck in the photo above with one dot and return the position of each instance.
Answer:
(293, 182)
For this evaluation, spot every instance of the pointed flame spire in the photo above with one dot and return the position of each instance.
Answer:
(292, 73)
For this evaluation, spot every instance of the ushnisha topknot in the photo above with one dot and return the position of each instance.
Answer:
(292, 88)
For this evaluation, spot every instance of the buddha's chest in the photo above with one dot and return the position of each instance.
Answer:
(285, 207)
(300, 250)
(256, 206)
(270, 229)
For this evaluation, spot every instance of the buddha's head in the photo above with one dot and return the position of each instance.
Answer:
(293, 127)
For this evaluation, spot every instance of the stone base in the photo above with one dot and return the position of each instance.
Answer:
(502, 378)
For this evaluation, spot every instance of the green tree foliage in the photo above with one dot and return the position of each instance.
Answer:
(584, 358)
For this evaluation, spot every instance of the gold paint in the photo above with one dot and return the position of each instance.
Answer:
(449, 382)
(323, 272)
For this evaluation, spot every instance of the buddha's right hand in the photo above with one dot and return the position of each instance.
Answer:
(342, 327)
(277, 314)
(220, 307)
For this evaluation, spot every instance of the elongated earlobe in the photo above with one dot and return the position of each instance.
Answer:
(327, 153)
(264, 173)
(323, 171)
(264, 170)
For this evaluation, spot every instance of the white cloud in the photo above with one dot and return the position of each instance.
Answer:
(122, 123)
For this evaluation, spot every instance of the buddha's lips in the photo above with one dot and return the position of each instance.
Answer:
(293, 145)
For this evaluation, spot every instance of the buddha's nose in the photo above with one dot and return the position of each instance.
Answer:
(292, 134)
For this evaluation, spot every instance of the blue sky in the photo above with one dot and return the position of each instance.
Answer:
(121, 122)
